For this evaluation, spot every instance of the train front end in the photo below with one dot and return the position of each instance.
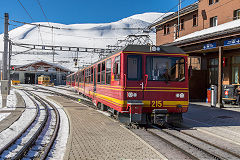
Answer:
(155, 82)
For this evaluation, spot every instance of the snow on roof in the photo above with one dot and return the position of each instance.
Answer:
(51, 64)
(203, 33)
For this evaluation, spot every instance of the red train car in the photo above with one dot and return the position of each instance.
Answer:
(147, 83)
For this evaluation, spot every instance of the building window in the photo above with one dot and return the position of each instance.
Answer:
(182, 24)
(213, 21)
(166, 29)
(194, 62)
(235, 69)
(213, 71)
(236, 14)
(195, 20)
(213, 1)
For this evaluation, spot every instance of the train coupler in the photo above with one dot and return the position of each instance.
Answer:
(160, 116)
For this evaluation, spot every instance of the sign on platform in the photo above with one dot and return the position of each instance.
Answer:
(232, 42)
(210, 45)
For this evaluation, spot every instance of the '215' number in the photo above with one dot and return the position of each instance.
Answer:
(156, 103)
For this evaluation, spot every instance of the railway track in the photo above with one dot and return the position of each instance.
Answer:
(37, 138)
(192, 146)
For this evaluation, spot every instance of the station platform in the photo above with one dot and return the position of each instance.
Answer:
(223, 123)
(93, 135)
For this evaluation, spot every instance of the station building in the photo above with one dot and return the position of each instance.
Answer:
(29, 73)
(209, 31)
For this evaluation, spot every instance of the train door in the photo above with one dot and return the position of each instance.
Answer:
(135, 80)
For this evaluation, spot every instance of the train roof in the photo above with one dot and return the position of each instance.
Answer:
(142, 48)
(148, 48)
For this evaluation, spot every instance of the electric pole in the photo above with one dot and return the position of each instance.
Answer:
(5, 82)
(179, 8)
(5, 53)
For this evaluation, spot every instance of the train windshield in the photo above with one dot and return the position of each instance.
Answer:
(159, 68)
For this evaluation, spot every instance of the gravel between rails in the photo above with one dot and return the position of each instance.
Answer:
(170, 152)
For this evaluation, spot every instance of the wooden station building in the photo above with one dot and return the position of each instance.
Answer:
(29, 73)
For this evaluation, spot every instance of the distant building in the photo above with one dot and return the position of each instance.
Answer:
(209, 32)
(29, 73)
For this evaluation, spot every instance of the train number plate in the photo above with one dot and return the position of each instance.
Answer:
(156, 103)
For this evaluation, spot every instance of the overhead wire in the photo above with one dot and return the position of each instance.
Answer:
(43, 11)
(25, 10)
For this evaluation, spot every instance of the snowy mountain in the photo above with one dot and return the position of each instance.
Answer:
(75, 35)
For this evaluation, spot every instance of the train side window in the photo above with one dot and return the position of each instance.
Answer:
(81, 76)
(103, 73)
(98, 73)
(134, 70)
(116, 68)
(84, 76)
(91, 74)
(108, 71)
(87, 76)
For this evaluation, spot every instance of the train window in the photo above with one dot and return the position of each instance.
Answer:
(103, 73)
(108, 71)
(116, 68)
(86, 76)
(91, 74)
(165, 68)
(98, 73)
(134, 71)
(81, 76)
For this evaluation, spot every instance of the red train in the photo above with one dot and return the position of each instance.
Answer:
(148, 84)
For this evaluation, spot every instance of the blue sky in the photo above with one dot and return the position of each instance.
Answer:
(82, 11)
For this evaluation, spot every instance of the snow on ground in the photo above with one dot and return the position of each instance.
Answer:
(3, 115)
(8, 134)
(76, 35)
(11, 101)
(27, 115)
(61, 142)
(222, 27)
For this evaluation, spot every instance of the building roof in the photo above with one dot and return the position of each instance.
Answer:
(183, 11)
(226, 28)
(51, 64)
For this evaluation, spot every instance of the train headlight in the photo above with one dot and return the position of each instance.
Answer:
(134, 94)
(131, 94)
(155, 49)
(180, 95)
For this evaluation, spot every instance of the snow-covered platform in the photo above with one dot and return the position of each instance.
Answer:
(93, 135)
